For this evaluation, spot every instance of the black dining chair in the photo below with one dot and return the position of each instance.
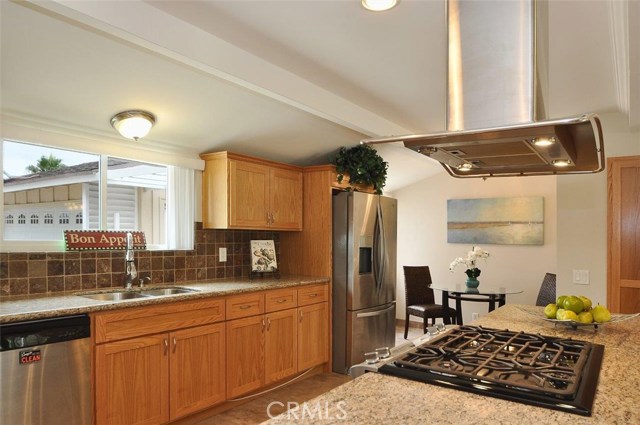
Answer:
(547, 293)
(419, 297)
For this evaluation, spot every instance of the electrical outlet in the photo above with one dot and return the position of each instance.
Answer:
(222, 254)
(581, 277)
(475, 316)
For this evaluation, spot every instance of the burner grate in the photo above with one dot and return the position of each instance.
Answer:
(515, 364)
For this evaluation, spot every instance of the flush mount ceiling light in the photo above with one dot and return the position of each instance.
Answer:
(133, 124)
(379, 5)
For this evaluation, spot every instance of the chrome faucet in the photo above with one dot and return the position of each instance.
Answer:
(129, 265)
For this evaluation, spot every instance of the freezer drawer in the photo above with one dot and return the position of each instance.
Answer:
(366, 330)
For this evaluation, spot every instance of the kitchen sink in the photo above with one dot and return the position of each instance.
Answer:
(145, 293)
(158, 292)
(114, 296)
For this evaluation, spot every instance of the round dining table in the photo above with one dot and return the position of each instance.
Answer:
(483, 293)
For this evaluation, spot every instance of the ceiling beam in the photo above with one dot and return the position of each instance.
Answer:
(145, 26)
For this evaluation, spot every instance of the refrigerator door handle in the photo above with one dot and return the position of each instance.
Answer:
(379, 249)
(375, 313)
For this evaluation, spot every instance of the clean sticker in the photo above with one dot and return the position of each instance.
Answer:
(31, 356)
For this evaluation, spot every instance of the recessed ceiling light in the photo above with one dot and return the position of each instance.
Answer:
(544, 141)
(379, 5)
(561, 162)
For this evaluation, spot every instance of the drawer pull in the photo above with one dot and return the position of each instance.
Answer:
(281, 300)
(244, 307)
(313, 295)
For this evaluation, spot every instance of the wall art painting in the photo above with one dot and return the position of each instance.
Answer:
(500, 221)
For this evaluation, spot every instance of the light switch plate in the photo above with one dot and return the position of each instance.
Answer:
(222, 254)
(581, 277)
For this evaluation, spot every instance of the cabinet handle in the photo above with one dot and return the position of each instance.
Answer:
(263, 324)
(268, 324)
(175, 344)
(268, 218)
(273, 218)
(313, 295)
(244, 307)
(281, 300)
(300, 316)
(166, 345)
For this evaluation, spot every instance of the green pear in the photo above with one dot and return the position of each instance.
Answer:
(601, 314)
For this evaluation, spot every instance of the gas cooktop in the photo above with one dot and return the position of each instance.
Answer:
(556, 373)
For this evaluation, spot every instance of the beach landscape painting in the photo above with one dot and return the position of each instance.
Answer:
(500, 221)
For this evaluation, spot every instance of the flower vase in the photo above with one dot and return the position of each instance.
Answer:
(472, 282)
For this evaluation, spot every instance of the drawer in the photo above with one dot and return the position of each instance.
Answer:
(134, 322)
(281, 299)
(313, 294)
(245, 305)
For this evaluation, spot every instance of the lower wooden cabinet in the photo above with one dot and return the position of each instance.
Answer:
(260, 350)
(197, 369)
(158, 378)
(313, 335)
(281, 350)
(132, 381)
(245, 355)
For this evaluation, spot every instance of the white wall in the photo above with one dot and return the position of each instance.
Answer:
(582, 215)
(422, 236)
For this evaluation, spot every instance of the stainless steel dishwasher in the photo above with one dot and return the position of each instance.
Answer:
(45, 371)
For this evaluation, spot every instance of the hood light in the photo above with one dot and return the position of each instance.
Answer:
(544, 141)
(465, 167)
(561, 162)
(379, 5)
(133, 124)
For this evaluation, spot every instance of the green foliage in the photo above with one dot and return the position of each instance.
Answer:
(364, 166)
(46, 164)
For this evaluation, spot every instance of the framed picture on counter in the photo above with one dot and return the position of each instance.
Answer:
(263, 256)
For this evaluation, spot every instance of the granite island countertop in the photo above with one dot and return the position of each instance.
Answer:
(374, 398)
(33, 307)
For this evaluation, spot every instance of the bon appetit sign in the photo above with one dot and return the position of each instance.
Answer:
(86, 240)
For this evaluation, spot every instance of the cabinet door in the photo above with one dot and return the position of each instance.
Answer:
(313, 335)
(248, 195)
(245, 355)
(286, 199)
(132, 381)
(280, 346)
(197, 369)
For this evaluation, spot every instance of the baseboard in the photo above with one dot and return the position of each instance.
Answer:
(412, 323)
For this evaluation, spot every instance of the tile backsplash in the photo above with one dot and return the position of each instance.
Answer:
(24, 273)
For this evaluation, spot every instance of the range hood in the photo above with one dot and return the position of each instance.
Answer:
(496, 85)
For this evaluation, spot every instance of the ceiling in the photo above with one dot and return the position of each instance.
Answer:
(286, 80)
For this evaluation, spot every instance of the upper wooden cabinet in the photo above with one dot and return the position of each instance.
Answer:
(243, 192)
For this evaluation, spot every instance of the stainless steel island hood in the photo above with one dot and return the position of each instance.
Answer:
(496, 81)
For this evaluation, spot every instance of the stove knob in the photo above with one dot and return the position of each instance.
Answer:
(372, 357)
(383, 352)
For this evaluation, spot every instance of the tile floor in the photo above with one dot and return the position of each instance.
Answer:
(255, 411)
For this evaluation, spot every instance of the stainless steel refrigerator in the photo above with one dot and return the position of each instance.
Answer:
(364, 276)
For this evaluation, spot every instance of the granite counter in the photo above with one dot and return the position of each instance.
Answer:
(375, 398)
(32, 307)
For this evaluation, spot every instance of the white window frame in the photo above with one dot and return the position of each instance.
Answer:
(59, 245)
